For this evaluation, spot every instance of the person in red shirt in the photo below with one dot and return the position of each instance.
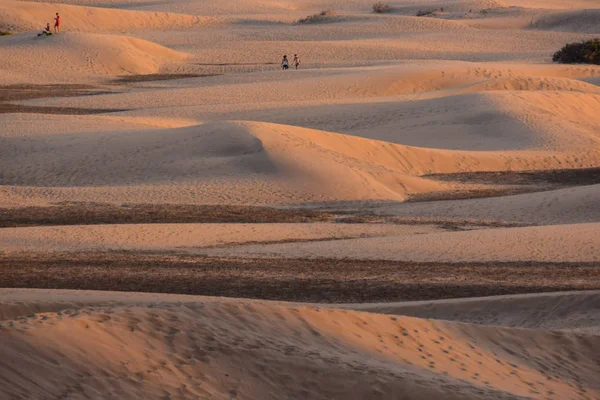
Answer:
(57, 23)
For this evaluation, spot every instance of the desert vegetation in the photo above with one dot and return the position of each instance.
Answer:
(586, 52)
(320, 17)
(424, 13)
(381, 7)
(4, 33)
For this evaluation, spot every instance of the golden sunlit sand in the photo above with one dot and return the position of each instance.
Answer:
(413, 213)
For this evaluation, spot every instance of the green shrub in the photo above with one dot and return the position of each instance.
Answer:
(320, 17)
(381, 7)
(587, 52)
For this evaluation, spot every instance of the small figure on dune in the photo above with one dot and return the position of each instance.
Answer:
(46, 30)
(284, 63)
(57, 23)
(296, 61)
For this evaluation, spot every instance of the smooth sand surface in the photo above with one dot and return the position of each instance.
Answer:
(408, 158)
(421, 243)
(562, 243)
(157, 345)
(173, 237)
(568, 311)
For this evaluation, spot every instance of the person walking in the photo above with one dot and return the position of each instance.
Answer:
(57, 23)
(284, 63)
(296, 61)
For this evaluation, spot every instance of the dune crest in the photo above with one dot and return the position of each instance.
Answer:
(76, 56)
(20, 16)
(240, 349)
(215, 158)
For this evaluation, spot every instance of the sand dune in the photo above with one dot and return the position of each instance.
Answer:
(449, 6)
(20, 16)
(331, 85)
(561, 243)
(584, 21)
(74, 55)
(535, 84)
(568, 311)
(259, 350)
(470, 121)
(564, 206)
(553, 4)
(209, 158)
(409, 158)
(573, 243)
(184, 237)
(259, 160)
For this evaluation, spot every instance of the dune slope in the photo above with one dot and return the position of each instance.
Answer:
(77, 55)
(20, 16)
(239, 349)
(247, 160)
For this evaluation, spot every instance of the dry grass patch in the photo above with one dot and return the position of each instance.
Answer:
(104, 213)
(158, 77)
(321, 281)
(508, 183)
(19, 92)
(323, 16)
(424, 13)
(381, 8)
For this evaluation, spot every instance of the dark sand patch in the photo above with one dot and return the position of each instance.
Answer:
(104, 213)
(21, 92)
(24, 109)
(233, 64)
(29, 92)
(466, 194)
(158, 77)
(322, 280)
(509, 183)
(560, 177)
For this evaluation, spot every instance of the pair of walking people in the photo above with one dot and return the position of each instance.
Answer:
(295, 62)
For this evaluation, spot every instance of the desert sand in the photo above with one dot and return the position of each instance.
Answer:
(111, 345)
(414, 213)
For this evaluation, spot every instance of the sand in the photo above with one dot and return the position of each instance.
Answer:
(412, 167)
(186, 347)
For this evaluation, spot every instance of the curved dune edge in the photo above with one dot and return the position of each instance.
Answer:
(582, 21)
(329, 165)
(84, 55)
(568, 311)
(246, 162)
(562, 206)
(22, 16)
(258, 349)
(238, 158)
(430, 79)
(559, 243)
(179, 237)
